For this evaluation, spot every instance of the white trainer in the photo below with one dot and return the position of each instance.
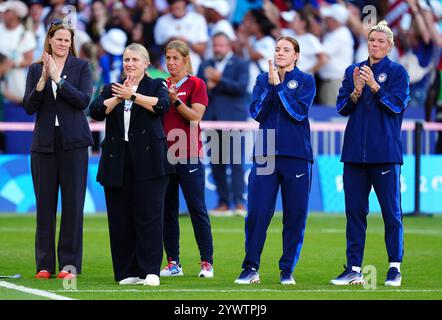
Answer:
(206, 270)
(152, 280)
(130, 280)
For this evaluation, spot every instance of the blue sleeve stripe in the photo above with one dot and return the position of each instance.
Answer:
(341, 105)
(258, 106)
(289, 109)
(390, 105)
(408, 96)
(398, 109)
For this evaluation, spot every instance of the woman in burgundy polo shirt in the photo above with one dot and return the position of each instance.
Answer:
(188, 98)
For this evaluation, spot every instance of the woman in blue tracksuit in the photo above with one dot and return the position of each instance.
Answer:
(280, 103)
(374, 94)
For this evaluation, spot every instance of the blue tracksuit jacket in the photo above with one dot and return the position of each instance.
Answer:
(373, 130)
(284, 107)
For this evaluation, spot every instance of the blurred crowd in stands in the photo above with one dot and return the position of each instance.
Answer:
(332, 35)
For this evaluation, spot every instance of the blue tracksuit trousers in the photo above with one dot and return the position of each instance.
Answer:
(294, 177)
(385, 179)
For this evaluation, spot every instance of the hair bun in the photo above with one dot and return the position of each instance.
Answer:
(383, 23)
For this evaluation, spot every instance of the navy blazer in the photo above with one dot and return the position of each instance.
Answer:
(147, 141)
(227, 101)
(72, 99)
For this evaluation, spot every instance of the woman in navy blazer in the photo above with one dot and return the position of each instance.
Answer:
(134, 168)
(58, 90)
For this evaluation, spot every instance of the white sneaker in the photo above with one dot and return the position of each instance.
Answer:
(172, 269)
(152, 280)
(130, 280)
(206, 270)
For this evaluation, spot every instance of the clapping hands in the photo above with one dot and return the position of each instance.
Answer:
(123, 91)
(273, 74)
(50, 69)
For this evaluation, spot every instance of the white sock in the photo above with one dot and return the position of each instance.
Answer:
(357, 269)
(396, 265)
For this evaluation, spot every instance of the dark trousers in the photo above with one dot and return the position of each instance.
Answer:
(233, 190)
(294, 177)
(191, 178)
(65, 170)
(385, 179)
(135, 216)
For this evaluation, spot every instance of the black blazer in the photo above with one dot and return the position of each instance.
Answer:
(147, 141)
(72, 99)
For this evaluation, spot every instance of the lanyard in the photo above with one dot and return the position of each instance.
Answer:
(180, 83)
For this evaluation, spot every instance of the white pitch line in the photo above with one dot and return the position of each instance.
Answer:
(36, 292)
(436, 233)
(243, 291)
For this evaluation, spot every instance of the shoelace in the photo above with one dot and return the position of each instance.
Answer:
(346, 271)
(247, 272)
(206, 265)
(171, 265)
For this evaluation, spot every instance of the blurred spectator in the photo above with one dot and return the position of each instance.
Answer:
(146, 17)
(241, 8)
(216, 12)
(34, 23)
(338, 46)
(434, 101)
(18, 46)
(420, 44)
(226, 77)
(301, 4)
(312, 56)
(88, 52)
(254, 37)
(121, 19)
(54, 11)
(113, 43)
(187, 26)
(98, 21)
(3, 68)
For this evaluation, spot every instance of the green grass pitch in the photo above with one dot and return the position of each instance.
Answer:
(322, 257)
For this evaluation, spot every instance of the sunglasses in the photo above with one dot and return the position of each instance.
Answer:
(57, 22)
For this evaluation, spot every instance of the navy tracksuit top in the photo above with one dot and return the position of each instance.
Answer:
(284, 108)
(373, 133)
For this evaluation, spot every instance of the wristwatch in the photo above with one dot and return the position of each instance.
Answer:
(177, 103)
(133, 97)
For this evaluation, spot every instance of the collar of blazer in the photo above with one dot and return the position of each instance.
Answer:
(68, 67)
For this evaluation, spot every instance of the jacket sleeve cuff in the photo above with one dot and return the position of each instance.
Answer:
(380, 93)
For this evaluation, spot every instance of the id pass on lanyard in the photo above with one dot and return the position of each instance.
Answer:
(127, 105)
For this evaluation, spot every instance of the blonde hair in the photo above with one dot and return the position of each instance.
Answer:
(383, 27)
(183, 49)
(141, 51)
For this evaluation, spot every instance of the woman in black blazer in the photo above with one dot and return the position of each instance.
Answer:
(58, 90)
(134, 168)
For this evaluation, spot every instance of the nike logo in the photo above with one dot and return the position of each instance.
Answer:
(299, 175)
(385, 172)
(192, 170)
